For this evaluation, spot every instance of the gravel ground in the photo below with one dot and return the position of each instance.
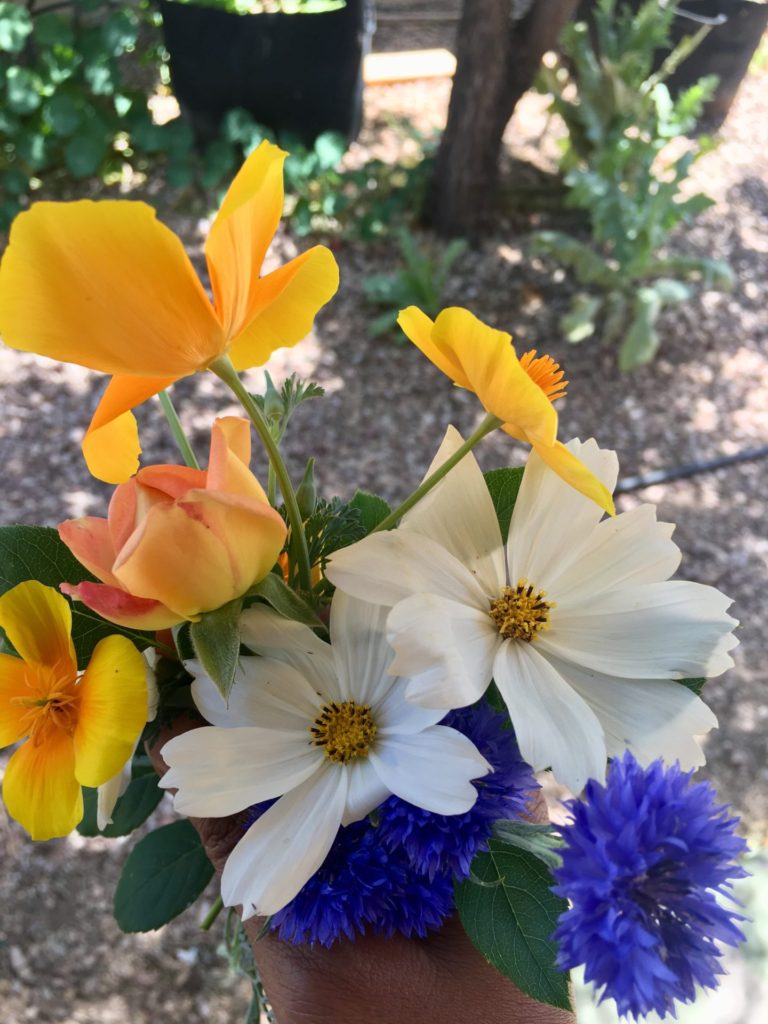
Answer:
(61, 957)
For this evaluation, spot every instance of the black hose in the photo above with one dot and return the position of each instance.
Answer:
(663, 476)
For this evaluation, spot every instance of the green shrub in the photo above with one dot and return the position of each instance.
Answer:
(420, 281)
(620, 116)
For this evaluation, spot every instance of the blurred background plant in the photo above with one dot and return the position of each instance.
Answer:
(420, 281)
(621, 118)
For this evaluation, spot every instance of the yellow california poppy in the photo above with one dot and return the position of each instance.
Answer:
(106, 285)
(519, 392)
(79, 729)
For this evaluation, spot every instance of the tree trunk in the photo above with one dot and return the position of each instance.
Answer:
(497, 59)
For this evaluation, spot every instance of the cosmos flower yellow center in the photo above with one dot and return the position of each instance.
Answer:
(51, 703)
(345, 731)
(521, 612)
(546, 373)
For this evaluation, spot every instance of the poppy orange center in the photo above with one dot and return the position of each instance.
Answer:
(545, 373)
(52, 703)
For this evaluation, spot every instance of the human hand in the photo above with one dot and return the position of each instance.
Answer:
(442, 978)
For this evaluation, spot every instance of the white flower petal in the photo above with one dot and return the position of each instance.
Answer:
(432, 770)
(221, 771)
(458, 513)
(266, 693)
(109, 793)
(387, 567)
(551, 520)
(394, 714)
(445, 647)
(274, 636)
(652, 717)
(673, 630)
(625, 550)
(365, 790)
(360, 649)
(554, 727)
(282, 850)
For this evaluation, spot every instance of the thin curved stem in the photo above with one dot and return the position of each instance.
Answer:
(489, 424)
(177, 430)
(224, 369)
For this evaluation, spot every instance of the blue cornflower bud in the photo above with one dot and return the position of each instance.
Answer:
(646, 864)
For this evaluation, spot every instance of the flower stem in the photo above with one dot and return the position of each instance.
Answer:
(212, 914)
(224, 369)
(177, 430)
(489, 424)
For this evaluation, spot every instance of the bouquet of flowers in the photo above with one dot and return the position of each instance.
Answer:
(362, 693)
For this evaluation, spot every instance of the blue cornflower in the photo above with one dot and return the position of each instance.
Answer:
(395, 871)
(645, 859)
(436, 842)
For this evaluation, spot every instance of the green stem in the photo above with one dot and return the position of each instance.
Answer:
(177, 430)
(489, 424)
(271, 484)
(224, 369)
(212, 914)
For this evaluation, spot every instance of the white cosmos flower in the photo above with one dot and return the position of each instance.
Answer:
(576, 620)
(326, 729)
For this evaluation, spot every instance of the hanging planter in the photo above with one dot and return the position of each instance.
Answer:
(299, 73)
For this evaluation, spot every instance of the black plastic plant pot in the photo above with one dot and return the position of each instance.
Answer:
(726, 51)
(297, 73)
(737, 27)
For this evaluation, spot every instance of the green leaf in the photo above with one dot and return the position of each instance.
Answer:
(504, 485)
(696, 685)
(330, 147)
(579, 322)
(120, 32)
(285, 601)
(15, 182)
(54, 30)
(15, 26)
(164, 874)
(373, 509)
(510, 917)
(132, 809)
(63, 113)
(83, 155)
(216, 639)
(37, 553)
(642, 340)
(23, 90)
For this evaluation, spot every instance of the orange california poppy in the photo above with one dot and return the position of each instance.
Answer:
(106, 285)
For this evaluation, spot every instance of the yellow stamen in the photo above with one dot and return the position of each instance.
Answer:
(345, 731)
(521, 612)
(546, 373)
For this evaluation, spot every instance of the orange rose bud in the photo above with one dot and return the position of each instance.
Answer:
(178, 542)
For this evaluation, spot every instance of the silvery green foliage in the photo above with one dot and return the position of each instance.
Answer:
(620, 116)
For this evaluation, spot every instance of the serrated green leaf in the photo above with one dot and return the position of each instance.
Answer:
(216, 639)
(287, 602)
(132, 809)
(510, 918)
(37, 553)
(373, 509)
(164, 874)
(504, 485)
